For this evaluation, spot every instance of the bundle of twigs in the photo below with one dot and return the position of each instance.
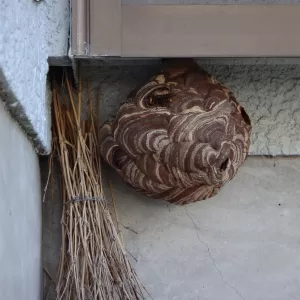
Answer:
(93, 262)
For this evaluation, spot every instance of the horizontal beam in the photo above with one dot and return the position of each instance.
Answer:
(105, 27)
(210, 30)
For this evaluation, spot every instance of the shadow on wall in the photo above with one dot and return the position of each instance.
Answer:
(17, 111)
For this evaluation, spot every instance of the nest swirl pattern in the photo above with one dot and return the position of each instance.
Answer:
(180, 137)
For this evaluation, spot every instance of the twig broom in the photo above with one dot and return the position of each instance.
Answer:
(93, 263)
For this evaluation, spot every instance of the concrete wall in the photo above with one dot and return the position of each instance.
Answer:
(20, 214)
(268, 89)
(271, 96)
(30, 32)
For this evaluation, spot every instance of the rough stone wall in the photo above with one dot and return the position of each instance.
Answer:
(271, 96)
(30, 32)
(269, 92)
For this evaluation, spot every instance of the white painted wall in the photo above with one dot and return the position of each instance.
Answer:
(20, 214)
(30, 32)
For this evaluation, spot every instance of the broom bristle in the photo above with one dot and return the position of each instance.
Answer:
(93, 261)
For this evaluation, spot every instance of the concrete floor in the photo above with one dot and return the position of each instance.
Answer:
(242, 244)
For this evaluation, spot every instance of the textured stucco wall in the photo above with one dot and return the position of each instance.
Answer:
(30, 32)
(269, 92)
(20, 214)
(271, 96)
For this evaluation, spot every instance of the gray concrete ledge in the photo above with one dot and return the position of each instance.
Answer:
(30, 33)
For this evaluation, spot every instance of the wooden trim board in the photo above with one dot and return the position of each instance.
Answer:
(96, 28)
(105, 27)
(210, 30)
(150, 31)
(79, 28)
